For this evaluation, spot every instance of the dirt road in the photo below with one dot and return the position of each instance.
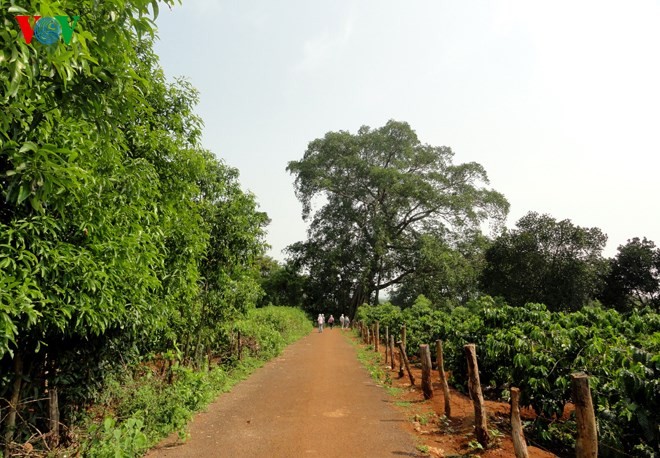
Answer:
(314, 400)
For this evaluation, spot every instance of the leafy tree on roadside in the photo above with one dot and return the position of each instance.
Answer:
(381, 190)
(282, 284)
(119, 234)
(634, 277)
(546, 261)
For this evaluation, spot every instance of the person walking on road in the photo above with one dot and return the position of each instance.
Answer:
(342, 321)
(331, 321)
(320, 320)
(347, 322)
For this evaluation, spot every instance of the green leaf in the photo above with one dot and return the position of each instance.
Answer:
(36, 204)
(23, 193)
(28, 146)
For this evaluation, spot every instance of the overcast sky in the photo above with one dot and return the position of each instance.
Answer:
(559, 101)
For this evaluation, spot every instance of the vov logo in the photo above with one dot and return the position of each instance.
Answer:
(47, 30)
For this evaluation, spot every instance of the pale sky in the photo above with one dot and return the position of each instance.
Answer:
(559, 101)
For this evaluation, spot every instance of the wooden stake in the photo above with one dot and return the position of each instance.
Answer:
(392, 354)
(387, 342)
(425, 356)
(404, 358)
(519, 443)
(400, 361)
(586, 444)
(376, 336)
(403, 334)
(443, 377)
(481, 424)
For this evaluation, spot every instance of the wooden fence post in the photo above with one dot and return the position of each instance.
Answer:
(443, 377)
(387, 342)
(400, 361)
(481, 424)
(392, 354)
(376, 336)
(586, 444)
(519, 443)
(404, 358)
(425, 356)
(403, 334)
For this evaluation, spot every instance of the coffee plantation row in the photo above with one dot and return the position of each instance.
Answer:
(536, 350)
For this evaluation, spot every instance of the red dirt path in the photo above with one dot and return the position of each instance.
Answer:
(313, 400)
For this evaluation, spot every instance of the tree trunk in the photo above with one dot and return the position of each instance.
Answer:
(481, 425)
(443, 377)
(425, 356)
(54, 416)
(239, 346)
(519, 443)
(358, 299)
(10, 425)
(586, 445)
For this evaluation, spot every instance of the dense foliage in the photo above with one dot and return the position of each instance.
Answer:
(536, 350)
(634, 277)
(447, 271)
(548, 261)
(120, 236)
(282, 283)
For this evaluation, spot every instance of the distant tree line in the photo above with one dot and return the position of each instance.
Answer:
(399, 216)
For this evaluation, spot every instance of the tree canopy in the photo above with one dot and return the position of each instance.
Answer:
(380, 192)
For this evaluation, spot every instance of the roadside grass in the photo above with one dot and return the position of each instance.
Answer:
(374, 364)
(138, 409)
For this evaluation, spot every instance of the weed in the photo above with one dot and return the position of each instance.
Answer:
(394, 391)
(425, 418)
(474, 445)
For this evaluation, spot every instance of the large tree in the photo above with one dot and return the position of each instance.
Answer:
(547, 261)
(380, 191)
